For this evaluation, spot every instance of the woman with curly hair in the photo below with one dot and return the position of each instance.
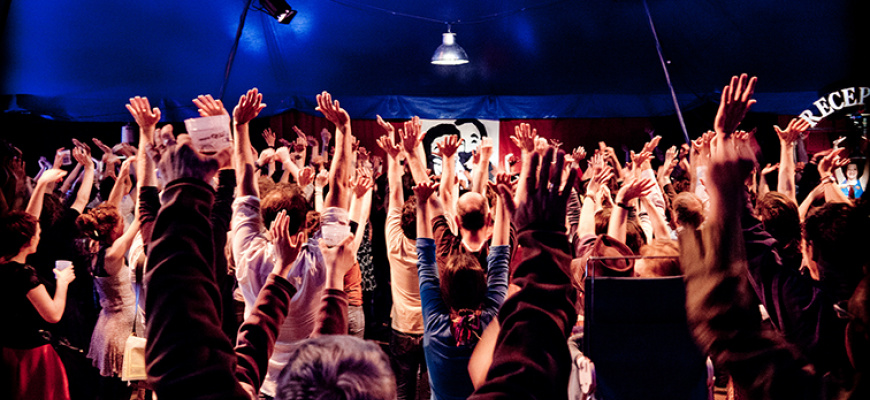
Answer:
(109, 242)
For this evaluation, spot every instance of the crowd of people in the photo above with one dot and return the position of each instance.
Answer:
(244, 268)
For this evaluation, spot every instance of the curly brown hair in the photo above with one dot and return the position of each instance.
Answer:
(99, 223)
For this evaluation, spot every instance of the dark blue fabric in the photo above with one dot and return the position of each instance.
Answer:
(82, 60)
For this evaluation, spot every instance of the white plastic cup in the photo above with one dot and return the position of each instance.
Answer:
(67, 157)
(61, 265)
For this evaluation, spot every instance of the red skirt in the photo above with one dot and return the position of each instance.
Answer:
(34, 374)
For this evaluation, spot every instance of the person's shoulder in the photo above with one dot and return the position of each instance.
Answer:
(18, 274)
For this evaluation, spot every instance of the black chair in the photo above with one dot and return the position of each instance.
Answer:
(637, 343)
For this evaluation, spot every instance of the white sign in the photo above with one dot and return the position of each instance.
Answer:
(209, 134)
(836, 101)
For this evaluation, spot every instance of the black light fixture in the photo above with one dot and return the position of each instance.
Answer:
(279, 9)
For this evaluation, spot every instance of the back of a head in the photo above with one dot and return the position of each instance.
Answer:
(285, 197)
(16, 230)
(336, 367)
(688, 210)
(832, 233)
(779, 214)
(52, 210)
(472, 210)
(659, 267)
(463, 282)
(99, 223)
(409, 218)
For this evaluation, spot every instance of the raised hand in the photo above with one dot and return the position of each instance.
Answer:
(424, 190)
(51, 175)
(578, 154)
(448, 146)
(362, 155)
(504, 188)
(82, 157)
(145, 116)
(387, 126)
(209, 107)
(306, 176)
(541, 146)
(555, 143)
(102, 146)
(792, 131)
(769, 168)
(332, 111)
(266, 156)
(338, 260)
(269, 137)
(321, 178)
(412, 135)
(283, 155)
(542, 206)
(524, 137)
(325, 136)
(634, 188)
(834, 159)
(387, 144)
(287, 247)
(300, 134)
(486, 148)
(735, 102)
(299, 145)
(58, 158)
(362, 182)
(127, 150)
(650, 147)
(249, 106)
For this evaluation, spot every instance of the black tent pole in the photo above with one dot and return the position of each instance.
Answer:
(232, 56)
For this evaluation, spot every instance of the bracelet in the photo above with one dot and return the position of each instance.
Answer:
(625, 206)
(829, 179)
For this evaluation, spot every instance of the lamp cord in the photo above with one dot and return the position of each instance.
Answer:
(476, 20)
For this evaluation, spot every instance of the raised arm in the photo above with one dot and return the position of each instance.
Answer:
(423, 191)
(249, 106)
(787, 139)
(531, 357)
(720, 305)
(632, 189)
(183, 321)
(339, 170)
(480, 172)
(447, 148)
(34, 206)
(524, 138)
(412, 142)
(394, 169)
(122, 185)
(505, 203)
(84, 193)
(147, 119)
(826, 168)
(735, 102)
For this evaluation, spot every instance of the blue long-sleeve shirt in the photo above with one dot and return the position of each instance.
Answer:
(447, 362)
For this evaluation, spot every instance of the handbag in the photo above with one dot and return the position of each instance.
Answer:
(133, 366)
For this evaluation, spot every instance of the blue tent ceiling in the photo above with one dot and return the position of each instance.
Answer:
(80, 60)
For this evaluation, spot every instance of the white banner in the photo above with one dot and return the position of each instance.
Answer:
(471, 130)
